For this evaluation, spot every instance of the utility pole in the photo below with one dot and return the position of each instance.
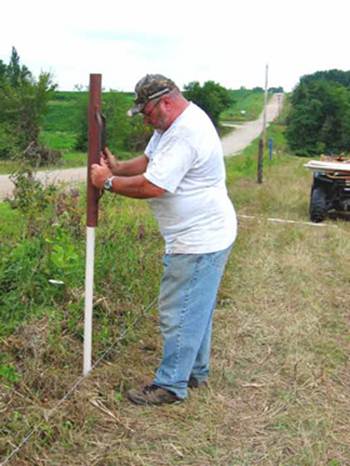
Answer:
(262, 140)
(265, 104)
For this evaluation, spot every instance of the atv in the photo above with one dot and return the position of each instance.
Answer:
(330, 192)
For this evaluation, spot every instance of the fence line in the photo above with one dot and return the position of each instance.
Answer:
(75, 385)
(282, 220)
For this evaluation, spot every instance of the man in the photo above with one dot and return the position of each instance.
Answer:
(182, 174)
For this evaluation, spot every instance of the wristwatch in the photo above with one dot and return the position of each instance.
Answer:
(108, 183)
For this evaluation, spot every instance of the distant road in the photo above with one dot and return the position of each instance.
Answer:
(244, 134)
(232, 145)
(67, 175)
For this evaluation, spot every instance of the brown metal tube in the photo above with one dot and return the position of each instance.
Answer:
(94, 145)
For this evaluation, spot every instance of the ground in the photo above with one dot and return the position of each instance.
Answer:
(279, 385)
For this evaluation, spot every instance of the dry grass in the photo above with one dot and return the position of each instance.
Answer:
(280, 382)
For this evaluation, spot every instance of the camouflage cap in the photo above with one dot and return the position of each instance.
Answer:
(151, 86)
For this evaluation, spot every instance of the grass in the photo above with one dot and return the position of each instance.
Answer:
(60, 140)
(7, 166)
(279, 391)
(11, 223)
(70, 159)
(247, 106)
(64, 111)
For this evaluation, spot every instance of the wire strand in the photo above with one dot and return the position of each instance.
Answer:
(76, 384)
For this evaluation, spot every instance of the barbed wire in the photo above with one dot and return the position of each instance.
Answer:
(75, 385)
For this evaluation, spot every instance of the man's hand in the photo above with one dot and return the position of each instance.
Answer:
(110, 160)
(99, 173)
(131, 186)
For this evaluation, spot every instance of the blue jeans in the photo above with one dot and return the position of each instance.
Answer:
(187, 301)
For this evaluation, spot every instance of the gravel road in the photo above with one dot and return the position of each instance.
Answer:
(232, 144)
(246, 133)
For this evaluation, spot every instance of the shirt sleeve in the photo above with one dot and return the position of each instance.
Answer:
(170, 163)
(152, 144)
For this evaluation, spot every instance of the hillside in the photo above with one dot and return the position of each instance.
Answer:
(247, 106)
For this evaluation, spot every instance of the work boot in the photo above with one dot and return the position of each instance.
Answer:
(152, 395)
(194, 383)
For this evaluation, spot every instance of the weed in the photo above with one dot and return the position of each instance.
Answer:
(9, 373)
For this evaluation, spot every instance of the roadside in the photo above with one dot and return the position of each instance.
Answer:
(68, 175)
(232, 145)
(279, 387)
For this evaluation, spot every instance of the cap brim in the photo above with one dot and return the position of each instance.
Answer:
(136, 109)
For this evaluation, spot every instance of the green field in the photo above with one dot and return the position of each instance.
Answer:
(66, 118)
(63, 120)
(247, 106)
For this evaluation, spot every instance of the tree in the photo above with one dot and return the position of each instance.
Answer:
(16, 73)
(337, 76)
(276, 90)
(211, 97)
(23, 102)
(319, 119)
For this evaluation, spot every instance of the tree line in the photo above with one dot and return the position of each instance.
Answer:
(319, 119)
(24, 103)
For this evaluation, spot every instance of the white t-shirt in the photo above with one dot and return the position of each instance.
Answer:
(195, 215)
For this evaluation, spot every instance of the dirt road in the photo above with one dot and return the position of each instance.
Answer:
(247, 132)
(68, 175)
(232, 144)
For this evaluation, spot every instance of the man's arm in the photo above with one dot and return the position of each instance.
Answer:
(135, 166)
(131, 186)
(136, 186)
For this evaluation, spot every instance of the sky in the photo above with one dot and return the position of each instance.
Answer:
(226, 41)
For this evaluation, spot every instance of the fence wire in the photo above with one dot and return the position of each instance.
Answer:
(75, 385)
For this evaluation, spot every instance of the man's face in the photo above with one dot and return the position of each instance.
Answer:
(155, 114)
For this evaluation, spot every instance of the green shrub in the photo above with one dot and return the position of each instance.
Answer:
(319, 118)
(211, 97)
(8, 142)
(23, 102)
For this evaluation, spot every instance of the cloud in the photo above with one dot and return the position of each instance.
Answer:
(225, 41)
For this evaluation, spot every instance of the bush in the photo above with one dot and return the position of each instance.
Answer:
(31, 197)
(211, 97)
(49, 246)
(319, 119)
(7, 142)
(38, 155)
(23, 102)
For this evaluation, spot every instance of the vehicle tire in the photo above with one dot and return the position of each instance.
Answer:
(318, 205)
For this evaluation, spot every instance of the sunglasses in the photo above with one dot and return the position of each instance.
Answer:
(148, 114)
